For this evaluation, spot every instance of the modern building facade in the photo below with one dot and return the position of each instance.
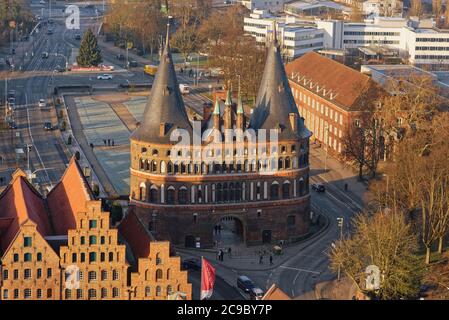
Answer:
(418, 43)
(269, 5)
(262, 186)
(296, 37)
(61, 247)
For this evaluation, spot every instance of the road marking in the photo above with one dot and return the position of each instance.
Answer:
(32, 141)
(301, 270)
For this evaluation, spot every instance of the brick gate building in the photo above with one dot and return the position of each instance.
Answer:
(182, 195)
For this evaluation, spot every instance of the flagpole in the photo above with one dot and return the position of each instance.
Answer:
(201, 283)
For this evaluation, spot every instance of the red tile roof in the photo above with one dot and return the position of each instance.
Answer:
(68, 198)
(136, 235)
(274, 293)
(346, 84)
(19, 202)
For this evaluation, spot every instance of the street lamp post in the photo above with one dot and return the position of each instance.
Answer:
(340, 222)
(29, 146)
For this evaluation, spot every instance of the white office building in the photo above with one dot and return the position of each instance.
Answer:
(418, 42)
(268, 5)
(296, 37)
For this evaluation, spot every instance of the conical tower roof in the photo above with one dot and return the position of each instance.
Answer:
(165, 104)
(275, 100)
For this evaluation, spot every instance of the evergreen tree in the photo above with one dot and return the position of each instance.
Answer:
(89, 53)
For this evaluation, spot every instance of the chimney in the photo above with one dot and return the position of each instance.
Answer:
(162, 129)
(293, 121)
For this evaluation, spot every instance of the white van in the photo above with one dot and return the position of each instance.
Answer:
(185, 89)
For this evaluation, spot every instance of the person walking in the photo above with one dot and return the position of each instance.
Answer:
(261, 259)
(346, 187)
(113, 142)
(271, 258)
(104, 141)
(109, 142)
(229, 252)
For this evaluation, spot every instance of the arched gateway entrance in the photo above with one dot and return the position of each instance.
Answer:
(228, 231)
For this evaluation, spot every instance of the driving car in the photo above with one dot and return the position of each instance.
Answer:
(11, 106)
(48, 126)
(318, 187)
(104, 77)
(45, 55)
(244, 283)
(191, 264)
(59, 69)
(42, 103)
(77, 36)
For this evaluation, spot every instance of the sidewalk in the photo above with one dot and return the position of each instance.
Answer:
(245, 258)
(337, 175)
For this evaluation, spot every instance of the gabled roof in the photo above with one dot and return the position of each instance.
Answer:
(164, 106)
(275, 101)
(274, 293)
(343, 85)
(68, 198)
(20, 202)
(136, 235)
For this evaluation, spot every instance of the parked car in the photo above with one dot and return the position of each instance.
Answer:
(77, 36)
(244, 283)
(104, 77)
(11, 106)
(318, 187)
(11, 94)
(48, 126)
(49, 32)
(256, 293)
(42, 103)
(12, 125)
(191, 264)
(132, 64)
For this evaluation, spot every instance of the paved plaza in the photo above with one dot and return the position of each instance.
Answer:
(109, 132)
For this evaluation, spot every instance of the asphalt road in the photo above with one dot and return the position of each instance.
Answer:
(310, 265)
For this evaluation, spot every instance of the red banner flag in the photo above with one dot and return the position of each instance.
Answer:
(207, 279)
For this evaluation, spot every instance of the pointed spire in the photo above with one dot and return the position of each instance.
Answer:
(240, 102)
(167, 37)
(165, 104)
(275, 101)
(228, 98)
(217, 107)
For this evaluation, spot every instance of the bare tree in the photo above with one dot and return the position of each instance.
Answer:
(416, 8)
(385, 241)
